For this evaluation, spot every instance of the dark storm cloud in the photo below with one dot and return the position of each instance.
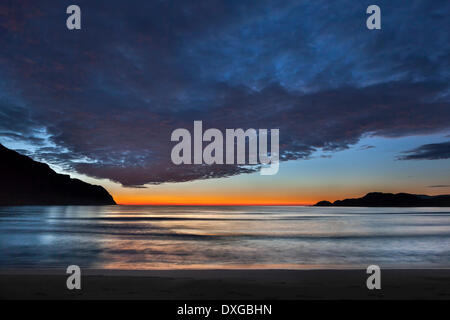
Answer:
(107, 97)
(432, 151)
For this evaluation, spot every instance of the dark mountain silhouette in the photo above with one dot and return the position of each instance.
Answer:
(24, 181)
(379, 199)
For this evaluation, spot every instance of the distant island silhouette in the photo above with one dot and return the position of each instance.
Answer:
(24, 181)
(380, 199)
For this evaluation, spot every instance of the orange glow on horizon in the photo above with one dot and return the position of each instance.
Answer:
(204, 194)
(212, 204)
(206, 201)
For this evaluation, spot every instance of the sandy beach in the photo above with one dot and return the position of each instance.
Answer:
(225, 284)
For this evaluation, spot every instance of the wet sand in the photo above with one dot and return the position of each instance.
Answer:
(225, 284)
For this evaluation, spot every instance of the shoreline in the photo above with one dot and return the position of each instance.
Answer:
(208, 284)
(149, 272)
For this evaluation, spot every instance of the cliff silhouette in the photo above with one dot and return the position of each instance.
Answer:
(24, 181)
(379, 199)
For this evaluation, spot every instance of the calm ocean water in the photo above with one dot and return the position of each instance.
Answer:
(146, 237)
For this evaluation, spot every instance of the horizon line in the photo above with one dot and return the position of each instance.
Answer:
(219, 204)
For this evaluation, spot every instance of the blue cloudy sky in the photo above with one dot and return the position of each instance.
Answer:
(358, 110)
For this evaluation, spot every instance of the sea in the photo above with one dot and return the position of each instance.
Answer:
(223, 237)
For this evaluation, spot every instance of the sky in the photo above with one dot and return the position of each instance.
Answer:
(358, 110)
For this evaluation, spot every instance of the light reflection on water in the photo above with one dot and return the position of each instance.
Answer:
(146, 237)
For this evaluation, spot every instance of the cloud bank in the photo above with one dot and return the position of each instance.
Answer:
(432, 151)
(104, 100)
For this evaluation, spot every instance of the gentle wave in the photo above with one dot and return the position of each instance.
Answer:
(133, 237)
